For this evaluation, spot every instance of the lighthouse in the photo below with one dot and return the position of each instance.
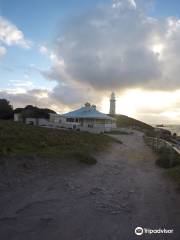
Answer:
(112, 110)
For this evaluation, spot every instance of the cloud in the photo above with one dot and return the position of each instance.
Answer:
(74, 95)
(11, 35)
(43, 50)
(67, 91)
(2, 51)
(133, 3)
(118, 46)
(124, 4)
(36, 97)
(21, 83)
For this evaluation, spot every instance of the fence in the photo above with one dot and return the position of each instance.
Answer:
(157, 143)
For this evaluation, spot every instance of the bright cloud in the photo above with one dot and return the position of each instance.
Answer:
(43, 50)
(150, 106)
(124, 3)
(11, 35)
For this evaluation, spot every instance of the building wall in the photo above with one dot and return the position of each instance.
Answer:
(93, 126)
(112, 107)
(99, 128)
(57, 118)
(52, 117)
(91, 130)
(17, 117)
(90, 125)
(37, 121)
(33, 121)
(42, 121)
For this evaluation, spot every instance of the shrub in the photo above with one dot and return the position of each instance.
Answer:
(167, 158)
(6, 110)
(4, 151)
(174, 174)
(85, 158)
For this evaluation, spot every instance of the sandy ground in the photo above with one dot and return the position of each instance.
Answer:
(73, 201)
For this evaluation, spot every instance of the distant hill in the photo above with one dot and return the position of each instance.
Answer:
(125, 121)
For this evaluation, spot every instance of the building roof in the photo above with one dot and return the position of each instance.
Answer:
(87, 111)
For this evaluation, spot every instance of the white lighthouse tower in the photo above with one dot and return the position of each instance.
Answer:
(112, 110)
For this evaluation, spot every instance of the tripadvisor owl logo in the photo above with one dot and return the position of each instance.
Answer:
(139, 231)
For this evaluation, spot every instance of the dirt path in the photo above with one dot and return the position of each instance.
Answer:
(78, 202)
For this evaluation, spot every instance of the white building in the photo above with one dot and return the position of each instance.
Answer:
(17, 117)
(112, 110)
(87, 118)
(37, 121)
(30, 120)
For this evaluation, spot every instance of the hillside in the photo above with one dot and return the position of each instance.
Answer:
(18, 139)
(125, 121)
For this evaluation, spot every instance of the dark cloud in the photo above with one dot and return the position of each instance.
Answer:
(117, 47)
(60, 99)
(22, 99)
(108, 48)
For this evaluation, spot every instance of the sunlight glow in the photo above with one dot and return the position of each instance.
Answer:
(133, 102)
(158, 48)
(171, 115)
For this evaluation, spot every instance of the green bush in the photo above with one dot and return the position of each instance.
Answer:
(4, 151)
(167, 158)
(174, 174)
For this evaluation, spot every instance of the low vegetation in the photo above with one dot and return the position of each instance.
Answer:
(170, 160)
(120, 132)
(125, 121)
(6, 109)
(18, 139)
(174, 174)
(167, 158)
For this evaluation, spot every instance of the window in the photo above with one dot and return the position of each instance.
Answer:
(100, 121)
(70, 120)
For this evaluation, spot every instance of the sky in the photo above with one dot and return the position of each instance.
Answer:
(61, 54)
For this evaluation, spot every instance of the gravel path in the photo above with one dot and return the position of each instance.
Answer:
(79, 202)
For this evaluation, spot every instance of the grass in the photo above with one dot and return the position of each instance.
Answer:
(174, 174)
(18, 139)
(114, 139)
(119, 132)
(125, 121)
(171, 161)
(167, 158)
